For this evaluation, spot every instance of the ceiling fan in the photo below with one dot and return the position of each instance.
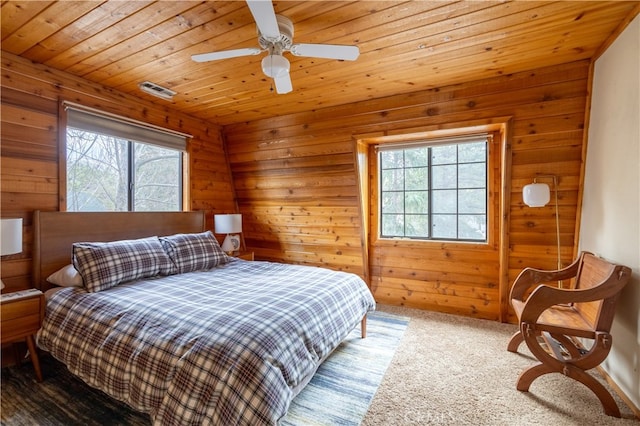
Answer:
(275, 36)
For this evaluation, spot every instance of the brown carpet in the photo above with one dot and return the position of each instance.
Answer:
(452, 370)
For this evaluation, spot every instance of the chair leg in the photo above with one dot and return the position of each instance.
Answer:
(608, 403)
(530, 374)
(515, 341)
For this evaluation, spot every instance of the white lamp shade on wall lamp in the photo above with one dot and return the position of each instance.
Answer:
(230, 224)
(10, 238)
(536, 194)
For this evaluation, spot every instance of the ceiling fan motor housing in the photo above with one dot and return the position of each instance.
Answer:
(285, 40)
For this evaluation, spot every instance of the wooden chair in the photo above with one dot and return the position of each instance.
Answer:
(552, 319)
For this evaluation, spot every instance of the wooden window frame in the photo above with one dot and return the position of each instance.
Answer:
(494, 179)
(499, 191)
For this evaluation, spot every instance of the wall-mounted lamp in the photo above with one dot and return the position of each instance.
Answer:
(10, 238)
(538, 195)
(230, 224)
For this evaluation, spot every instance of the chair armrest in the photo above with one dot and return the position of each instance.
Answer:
(531, 276)
(544, 296)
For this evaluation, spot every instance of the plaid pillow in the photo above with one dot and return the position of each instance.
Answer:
(105, 265)
(194, 252)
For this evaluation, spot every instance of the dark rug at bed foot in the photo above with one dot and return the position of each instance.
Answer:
(61, 399)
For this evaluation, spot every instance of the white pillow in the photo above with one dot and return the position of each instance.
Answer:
(66, 277)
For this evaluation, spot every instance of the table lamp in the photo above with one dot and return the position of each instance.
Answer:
(230, 224)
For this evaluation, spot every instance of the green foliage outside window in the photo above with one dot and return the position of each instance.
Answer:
(434, 192)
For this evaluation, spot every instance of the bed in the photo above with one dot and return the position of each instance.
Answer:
(186, 342)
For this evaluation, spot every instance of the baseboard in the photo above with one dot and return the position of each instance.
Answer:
(619, 391)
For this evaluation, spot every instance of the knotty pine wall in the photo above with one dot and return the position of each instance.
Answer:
(297, 187)
(29, 149)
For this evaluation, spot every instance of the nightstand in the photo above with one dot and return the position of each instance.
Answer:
(246, 255)
(21, 315)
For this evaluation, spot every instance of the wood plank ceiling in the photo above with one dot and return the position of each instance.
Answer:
(405, 46)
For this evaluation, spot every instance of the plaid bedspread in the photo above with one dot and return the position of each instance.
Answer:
(224, 347)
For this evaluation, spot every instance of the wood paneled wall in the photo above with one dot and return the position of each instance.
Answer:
(297, 188)
(296, 182)
(29, 148)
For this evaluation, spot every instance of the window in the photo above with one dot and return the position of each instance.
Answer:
(114, 165)
(434, 190)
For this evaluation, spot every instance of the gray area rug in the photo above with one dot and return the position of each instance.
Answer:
(339, 393)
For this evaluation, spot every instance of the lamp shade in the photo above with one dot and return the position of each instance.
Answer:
(227, 223)
(536, 194)
(11, 236)
(275, 66)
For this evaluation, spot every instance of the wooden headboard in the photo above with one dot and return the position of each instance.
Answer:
(55, 232)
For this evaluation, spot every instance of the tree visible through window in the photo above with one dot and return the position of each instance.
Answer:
(107, 173)
(435, 192)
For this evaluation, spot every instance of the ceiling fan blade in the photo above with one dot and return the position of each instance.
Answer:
(328, 51)
(225, 54)
(283, 84)
(265, 17)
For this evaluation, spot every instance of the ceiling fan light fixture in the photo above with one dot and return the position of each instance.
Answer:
(275, 66)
